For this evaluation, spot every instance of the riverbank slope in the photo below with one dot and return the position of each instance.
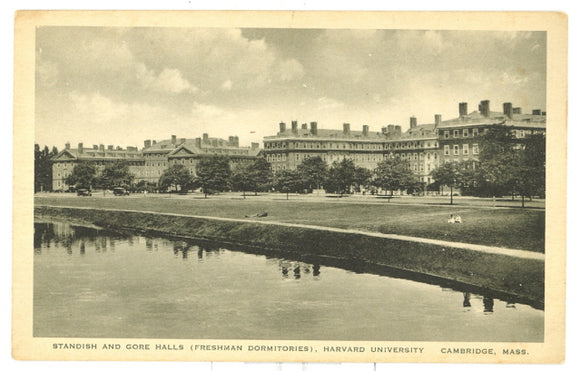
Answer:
(512, 275)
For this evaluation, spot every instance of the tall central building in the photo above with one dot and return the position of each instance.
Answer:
(424, 146)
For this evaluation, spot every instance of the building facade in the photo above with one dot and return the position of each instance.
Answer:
(99, 155)
(424, 146)
(460, 137)
(149, 163)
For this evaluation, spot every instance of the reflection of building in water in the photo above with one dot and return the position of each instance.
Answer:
(487, 304)
(297, 272)
(298, 269)
(316, 270)
(181, 246)
(71, 238)
(466, 300)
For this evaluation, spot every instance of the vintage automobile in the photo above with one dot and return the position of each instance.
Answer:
(84, 192)
(120, 191)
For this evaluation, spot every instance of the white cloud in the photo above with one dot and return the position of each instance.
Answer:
(290, 70)
(169, 80)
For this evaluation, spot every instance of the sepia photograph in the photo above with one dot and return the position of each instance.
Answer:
(290, 186)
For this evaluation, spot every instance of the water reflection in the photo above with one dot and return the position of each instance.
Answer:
(176, 278)
(299, 270)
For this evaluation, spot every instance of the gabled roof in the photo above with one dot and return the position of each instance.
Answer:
(65, 155)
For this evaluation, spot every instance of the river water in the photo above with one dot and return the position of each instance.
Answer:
(94, 283)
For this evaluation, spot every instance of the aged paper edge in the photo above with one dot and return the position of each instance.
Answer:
(26, 347)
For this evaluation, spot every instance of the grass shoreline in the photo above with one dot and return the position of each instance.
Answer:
(513, 276)
(513, 228)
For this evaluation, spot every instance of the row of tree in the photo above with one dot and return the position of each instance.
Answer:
(507, 165)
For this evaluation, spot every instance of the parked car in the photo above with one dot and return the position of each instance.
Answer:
(120, 191)
(84, 192)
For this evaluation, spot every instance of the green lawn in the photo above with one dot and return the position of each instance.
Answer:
(506, 227)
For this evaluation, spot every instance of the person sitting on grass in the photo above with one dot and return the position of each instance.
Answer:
(451, 219)
(457, 219)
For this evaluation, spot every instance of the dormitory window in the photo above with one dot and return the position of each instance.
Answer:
(475, 149)
(446, 150)
(475, 132)
(465, 132)
(466, 149)
(446, 134)
(455, 133)
(456, 149)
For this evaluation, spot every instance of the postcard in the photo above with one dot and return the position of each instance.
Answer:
(290, 186)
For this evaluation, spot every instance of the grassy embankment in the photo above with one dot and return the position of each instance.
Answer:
(515, 278)
(502, 227)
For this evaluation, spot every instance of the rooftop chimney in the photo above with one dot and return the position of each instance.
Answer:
(484, 108)
(80, 148)
(294, 127)
(305, 126)
(413, 122)
(384, 130)
(508, 110)
(236, 141)
(101, 147)
(67, 145)
(205, 137)
(365, 131)
(463, 109)
(314, 128)
(346, 128)
(255, 145)
(198, 142)
(95, 146)
(517, 110)
(173, 139)
(154, 142)
(282, 127)
(437, 120)
(398, 129)
(182, 140)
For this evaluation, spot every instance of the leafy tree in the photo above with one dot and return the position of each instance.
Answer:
(213, 174)
(286, 181)
(510, 164)
(83, 175)
(116, 174)
(362, 178)
(314, 171)
(529, 178)
(243, 179)
(340, 177)
(176, 177)
(393, 173)
(448, 174)
(499, 159)
(261, 175)
(42, 169)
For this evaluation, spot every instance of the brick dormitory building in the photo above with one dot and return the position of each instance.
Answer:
(425, 146)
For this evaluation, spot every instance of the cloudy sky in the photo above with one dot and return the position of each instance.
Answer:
(121, 86)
